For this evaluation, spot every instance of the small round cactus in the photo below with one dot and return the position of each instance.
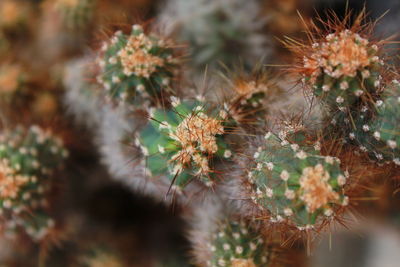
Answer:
(137, 65)
(182, 141)
(27, 158)
(236, 245)
(75, 13)
(343, 68)
(295, 184)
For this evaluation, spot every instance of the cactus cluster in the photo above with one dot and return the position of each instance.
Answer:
(76, 14)
(28, 157)
(236, 245)
(289, 182)
(183, 141)
(136, 66)
(294, 184)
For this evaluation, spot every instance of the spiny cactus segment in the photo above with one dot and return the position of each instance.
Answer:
(236, 245)
(295, 184)
(183, 141)
(27, 158)
(343, 69)
(380, 135)
(386, 125)
(247, 101)
(137, 65)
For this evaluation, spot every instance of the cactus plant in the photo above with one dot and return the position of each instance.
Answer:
(234, 244)
(295, 184)
(342, 68)
(345, 71)
(28, 157)
(136, 66)
(183, 142)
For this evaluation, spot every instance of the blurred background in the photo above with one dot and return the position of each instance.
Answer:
(104, 222)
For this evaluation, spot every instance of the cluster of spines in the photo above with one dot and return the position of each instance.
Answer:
(183, 141)
(136, 68)
(76, 14)
(294, 184)
(28, 157)
(248, 94)
(236, 245)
